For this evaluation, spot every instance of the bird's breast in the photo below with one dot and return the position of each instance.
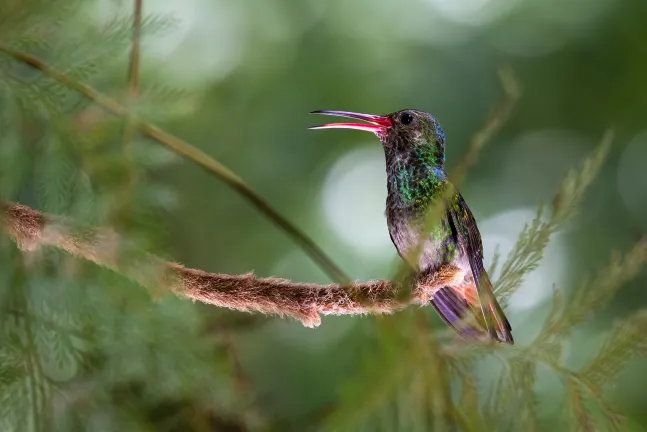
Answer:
(439, 245)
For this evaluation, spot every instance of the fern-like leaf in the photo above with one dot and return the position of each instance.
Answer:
(627, 340)
(529, 248)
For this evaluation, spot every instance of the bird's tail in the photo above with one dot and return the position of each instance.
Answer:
(455, 310)
(474, 314)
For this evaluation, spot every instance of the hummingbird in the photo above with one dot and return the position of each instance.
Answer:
(414, 150)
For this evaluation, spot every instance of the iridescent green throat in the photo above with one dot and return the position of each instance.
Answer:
(417, 177)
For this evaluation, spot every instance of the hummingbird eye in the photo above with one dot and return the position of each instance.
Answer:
(406, 118)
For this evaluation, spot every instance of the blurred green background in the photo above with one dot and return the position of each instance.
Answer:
(251, 72)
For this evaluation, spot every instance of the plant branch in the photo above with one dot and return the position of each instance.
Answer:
(133, 87)
(133, 68)
(194, 154)
(498, 117)
(303, 301)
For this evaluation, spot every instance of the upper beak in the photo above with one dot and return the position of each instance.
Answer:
(378, 124)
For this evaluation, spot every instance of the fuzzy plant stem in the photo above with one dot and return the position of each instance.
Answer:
(31, 229)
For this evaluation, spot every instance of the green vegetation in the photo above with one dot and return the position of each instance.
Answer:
(84, 348)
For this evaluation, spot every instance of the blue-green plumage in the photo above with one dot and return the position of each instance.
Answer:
(414, 149)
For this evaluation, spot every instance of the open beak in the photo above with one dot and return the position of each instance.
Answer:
(378, 124)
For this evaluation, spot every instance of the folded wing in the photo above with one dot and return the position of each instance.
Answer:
(471, 309)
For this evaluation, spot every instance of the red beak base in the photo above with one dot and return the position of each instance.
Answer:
(378, 124)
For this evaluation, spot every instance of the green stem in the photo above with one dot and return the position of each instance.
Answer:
(133, 92)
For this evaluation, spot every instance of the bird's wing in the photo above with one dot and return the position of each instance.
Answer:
(458, 306)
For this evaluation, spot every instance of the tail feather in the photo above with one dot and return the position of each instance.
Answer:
(488, 312)
(496, 320)
(503, 327)
(453, 309)
(473, 321)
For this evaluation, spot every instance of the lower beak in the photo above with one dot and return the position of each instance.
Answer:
(378, 124)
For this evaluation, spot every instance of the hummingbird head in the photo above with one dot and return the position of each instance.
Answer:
(400, 132)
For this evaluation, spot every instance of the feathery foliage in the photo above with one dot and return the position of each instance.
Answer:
(77, 347)
(83, 348)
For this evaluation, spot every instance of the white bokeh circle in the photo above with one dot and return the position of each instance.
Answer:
(206, 43)
(502, 231)
(474, 12)
(353, 199)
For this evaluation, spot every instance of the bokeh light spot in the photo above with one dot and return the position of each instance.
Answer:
(632, 177)
(477, 12)
(503, 230)
(354, 195)
(537, 161)
(206, 42)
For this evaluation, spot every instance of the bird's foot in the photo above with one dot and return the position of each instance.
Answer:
(428, 283)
